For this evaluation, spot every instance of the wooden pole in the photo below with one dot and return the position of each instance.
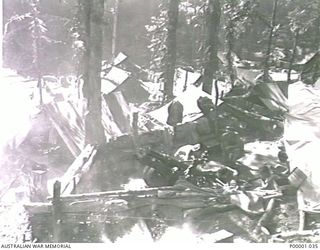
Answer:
(302, 220)
(135, 127)
(211, 60)
(186, 81)
(170, 55)
(135, 134)
(1, 33)
(270, 40)
(293, 56)
(115, 29)
(56, 212)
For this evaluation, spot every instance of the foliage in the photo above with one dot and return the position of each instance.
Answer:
(191, 30)
(27, 32)
(236, 15)
(38, 30)
(156, 33)
(164, 44)
(76, 34)
(304, 17)
(246, 22)
(35, 28)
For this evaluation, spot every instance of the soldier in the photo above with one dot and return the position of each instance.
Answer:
(175, 113)
(175, 117)
(206, 105)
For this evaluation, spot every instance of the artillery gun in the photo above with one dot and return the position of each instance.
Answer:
(164, 170)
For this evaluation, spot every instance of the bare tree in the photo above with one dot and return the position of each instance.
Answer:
(93, 16)
(293, 56)
(115, 28)
(230, 37)
(212, 24)
(171, 47)
(269, 45)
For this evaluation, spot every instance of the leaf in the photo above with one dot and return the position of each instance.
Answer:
(19, 17)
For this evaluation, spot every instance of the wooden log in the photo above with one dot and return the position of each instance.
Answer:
(135, 126)
(57, 212)
(99, 206)
(78, 168)
(111, 194)
(61, 125)
(100, 200)
(195, 214)
(135, 130)
(84, 206)
(159, 192)
(303, 233)
(177, 194)
(184, 202)
(38, 207)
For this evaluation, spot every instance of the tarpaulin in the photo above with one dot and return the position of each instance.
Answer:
(183, 79)
(113, 79)
(119, 110)
(272, 96)
(302, 141)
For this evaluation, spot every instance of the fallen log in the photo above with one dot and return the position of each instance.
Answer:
(196, 214)
(183, 202)
(301, 233)
(98, 201)
(85, 207)
(112, 194)
(100, 206)
(167, 192)
(70, 136)
(38, 207)
(78, 168)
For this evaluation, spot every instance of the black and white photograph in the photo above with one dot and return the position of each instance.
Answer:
(159, 123)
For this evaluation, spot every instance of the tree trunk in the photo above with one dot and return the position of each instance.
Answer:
(212, 23)
(115, 29)
(36, 36)
(93, 15)
(294, 51)
(230, 44)
(171, 48)
(39, 75)
(317, 35)
(85, 8)
(268, 54)
(1, 34)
